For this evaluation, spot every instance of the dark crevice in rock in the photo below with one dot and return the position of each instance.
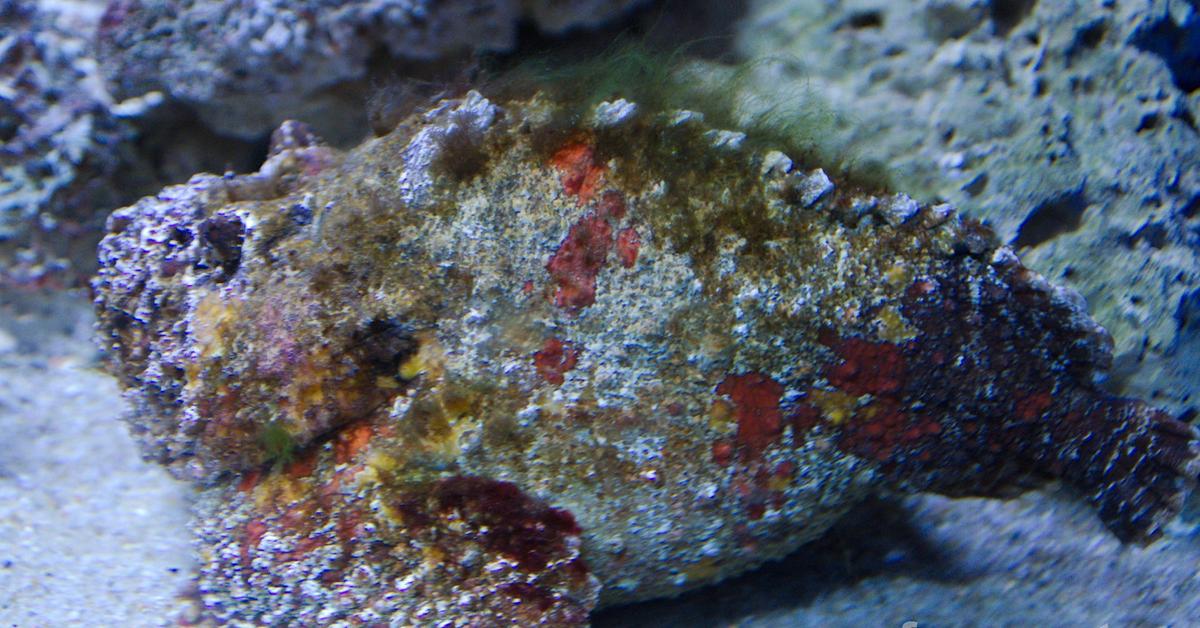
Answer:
(1187, 313)
(1153, 233)
(1007, 14)
(175, 144)
(976, 186)
(1178, 45)
(1149, 122)
(1059, 215)
(1192, 209)
(1184, 115)
(863, 19)
(383, 345)
(224, 235)
(1088, 37)
(707, 28)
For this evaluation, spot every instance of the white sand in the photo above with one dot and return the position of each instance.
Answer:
(89, 534)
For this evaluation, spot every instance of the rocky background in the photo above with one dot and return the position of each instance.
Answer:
(1069, 126)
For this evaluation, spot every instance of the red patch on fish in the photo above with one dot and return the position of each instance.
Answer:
(756, 405)
(580, 174)
(578, 260)
(628, 243)
(555, 359)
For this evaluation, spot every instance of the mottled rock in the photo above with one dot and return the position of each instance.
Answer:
(1069, 126)
(60, 145)
(514, 354)
(246, 66)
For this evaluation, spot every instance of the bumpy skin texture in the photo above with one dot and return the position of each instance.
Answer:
(59, 146)
(694, 352)
(333, 547)
(243, 64)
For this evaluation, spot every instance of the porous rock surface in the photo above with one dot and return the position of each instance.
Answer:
(1069, 126)
(503, 351)
(246, 66)
(61, 142)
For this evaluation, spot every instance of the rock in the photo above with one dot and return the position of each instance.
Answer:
(62, 139)
(613, 113)
(561, 359)
(557, 17)
(247, 66)
(1070, 127)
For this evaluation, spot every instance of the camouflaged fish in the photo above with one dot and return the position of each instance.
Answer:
(505, 364)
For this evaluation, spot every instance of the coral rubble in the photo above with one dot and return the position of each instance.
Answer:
(61, 144)
(502, 364)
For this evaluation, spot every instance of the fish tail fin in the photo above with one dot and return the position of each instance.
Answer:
(1134, 462)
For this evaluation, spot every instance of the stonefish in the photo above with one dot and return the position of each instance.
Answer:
(509, 362)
